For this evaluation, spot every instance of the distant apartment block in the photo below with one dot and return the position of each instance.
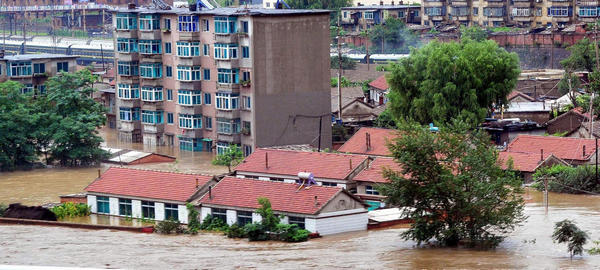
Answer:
(206, 79)
(32, 70)
(359, 18)
(521, 13)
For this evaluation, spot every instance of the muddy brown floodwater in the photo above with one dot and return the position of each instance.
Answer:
(530, 246)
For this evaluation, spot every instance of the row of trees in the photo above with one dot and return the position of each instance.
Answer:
(60, 125)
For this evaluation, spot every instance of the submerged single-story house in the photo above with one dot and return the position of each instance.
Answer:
(155, 195)
(319, 209)
(372, 176)
(528, 163)
(370, 141)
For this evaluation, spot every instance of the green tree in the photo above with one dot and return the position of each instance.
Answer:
(269, 219)
(566, 231)
(475, 33)
(75, 139)
(452, 186)
(231, 157)
(385, 120)
(347, 63)
(582, 57)
(333, 5)
(442, 81)
(393, 37)
(568, 85)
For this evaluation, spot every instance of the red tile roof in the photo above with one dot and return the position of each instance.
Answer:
(286, 162)
(379, 136)
(375, 172)
(380, 83)
(525, 162)
(564, 148)
(148, 184)
(284, 197)
(516, 93)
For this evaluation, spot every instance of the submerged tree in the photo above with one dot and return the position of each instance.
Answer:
(232, 156)
(393, 37)
(452, 187)
(442, 81)
(567, 232)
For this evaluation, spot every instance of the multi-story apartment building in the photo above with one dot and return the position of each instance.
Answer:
(201, 80)
(32, 70)
(356, 19)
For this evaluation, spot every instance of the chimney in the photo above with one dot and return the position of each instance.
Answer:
(584, 151)
(197, 183)
(266, 160)
(131, 6)
(392, 2)
(381, 3)
(99, 173)
(401, 2)
(210, 192)
(368, 140)
(541, 154)
(350, 164)
(316, 200)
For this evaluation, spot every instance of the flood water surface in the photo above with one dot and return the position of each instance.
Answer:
(530, 246)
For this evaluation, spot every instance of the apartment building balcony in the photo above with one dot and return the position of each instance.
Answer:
(153, 128)
(127, 126)
(131, 103)
(190, 85)
(226, 87)
(562, 19)
(235, 138)
(129, 79)
(191, 133)
(151, 82)
(226, 38)
(527, 18)
(151, 57)
(152, 105)
(497, 4)
(588, 3)
(460, 18)
(189, 60)
(149, 34)
(227, 63)
(189, 36)
(128, 57)
(522, 4)
(459, 3)
(189, 109)
(229, 114)
(126, 33)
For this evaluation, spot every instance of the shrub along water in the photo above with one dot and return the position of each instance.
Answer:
(70, 209)
(567, 179)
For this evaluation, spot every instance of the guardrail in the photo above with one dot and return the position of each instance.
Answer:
(57, 7)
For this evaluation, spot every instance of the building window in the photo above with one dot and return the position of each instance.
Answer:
(126, 21)
(125, 207)
(129, 114)
(206, 72)
(225, 25)
(226, 51)
(371, 191)
(245, 52)
(170, 118)
(190, 144)
(368, 15)
(475, 11)
(227, 101)
(28, 89)
(39, 68)
(20, 69)
(245, 27)
(205, 25)
(228, 126)
(296, 220)
(169, 71)
(149, 46)
(103, 205)
(208, 122)
(206, 49)
(189, 73)
(227, 76)
(434, 11)
(460, 11)
(127, 68)
(150, 70)
(171, 211)
(493, 11)
(588, 11)
(247, 150)
(128, 91)
(167, 23)
(521, 12)
(168, 48)
(41, 89)
(559, 11)
(127, 45)
(187, 49)
(207, 99)
(219, 213)
(244, 217)
(246, 102)
(152, 93)
(329, 184)
(222, 148)
(149, 22)
(246, 127)
(189, 97)
(190, 121)
(62, 66)
(246, 76)
(148, 210)
(187, 23)
(152, 117)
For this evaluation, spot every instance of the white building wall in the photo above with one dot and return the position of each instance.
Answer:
(204, 211)
(284, 220)
(136, 208)
(231, 217)
(159, 211)
(341, 185)
(340, 224)
(289, 181)
(114, 205)
(310, 224)
(183, 213)
(91, 201)
(264, 178)
(256, 217)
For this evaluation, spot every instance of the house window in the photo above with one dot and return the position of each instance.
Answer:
(460, 11)
(246, 102)
(225, 25)
(207, 99)
(189, 73)
(588, 11)
(103, 205)
(369, 15)
(28, 89)
(128, 91)
(206, 72)
(152, 93)
(20, 69)
(39, 68)
(493, 11)
(247, 150)
(244, 217)
(297, 220)
(170, 118)
(329, 184)
(168, 48)
(245, 52)
(129, 114)
(127, 45)
(150, 70)
(559, 11)
(187, 49)
(208, 122)
(219, 213)
(434, 11)
(169, 94)
(127, 68)
(245, 27)
(148, 209)
(126, 21)
(149, 46)
(227, 101)
(205, 25)
(228, 126)
(171, 211)
(222, 148)
(371, 191)
(206, 49)
(167, 23)
(149, 22)
(246, 76)
(227, 76)
(125, 207)
(521, 12)
(169, 71)
(152, 117)
(189, 97)
(190, 121)
(187, 23)
(190, 144)
(225, 51)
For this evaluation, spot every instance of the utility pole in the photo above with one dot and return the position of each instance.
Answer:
(596, 160)
(339, 84)
(591, 114)
(546, 194)
(596, 44)
(367, 45)
(552, 48)
(321, 126)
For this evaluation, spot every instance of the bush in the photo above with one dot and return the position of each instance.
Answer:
(211, 223)
(2, 209)
(566, 179)
(256, 232)
(235, 231)
(70, 209)
(291, 233)
(168, 227)
(193, 222)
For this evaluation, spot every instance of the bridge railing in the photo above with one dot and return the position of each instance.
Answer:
(56, 7)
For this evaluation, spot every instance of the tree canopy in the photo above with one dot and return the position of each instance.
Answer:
(582, 57)
(475, 33)
(566, 231)
(393, 37)
(452, 187)
(231, 157)
(442, 81)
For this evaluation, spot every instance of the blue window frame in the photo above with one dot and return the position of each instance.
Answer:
(206, 49)
(127, 68)
(207, 99)
(169, 118)
(149, 22)
(227, 76)
(127, 45)
(245, 27)
(225, 25)
(149, 46)
(62, 66)
(189, 97)
(151, 70)
(206, 72)
(190, 121)
(190, 144)
(245, 52)
(169, 71)
(169, 94)
(19, 69)
(187, 23)
(152, 117)
(168, 48)
(103, 205)
(39, 68)
(129, 114)
(126, 21)
(208, 122)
